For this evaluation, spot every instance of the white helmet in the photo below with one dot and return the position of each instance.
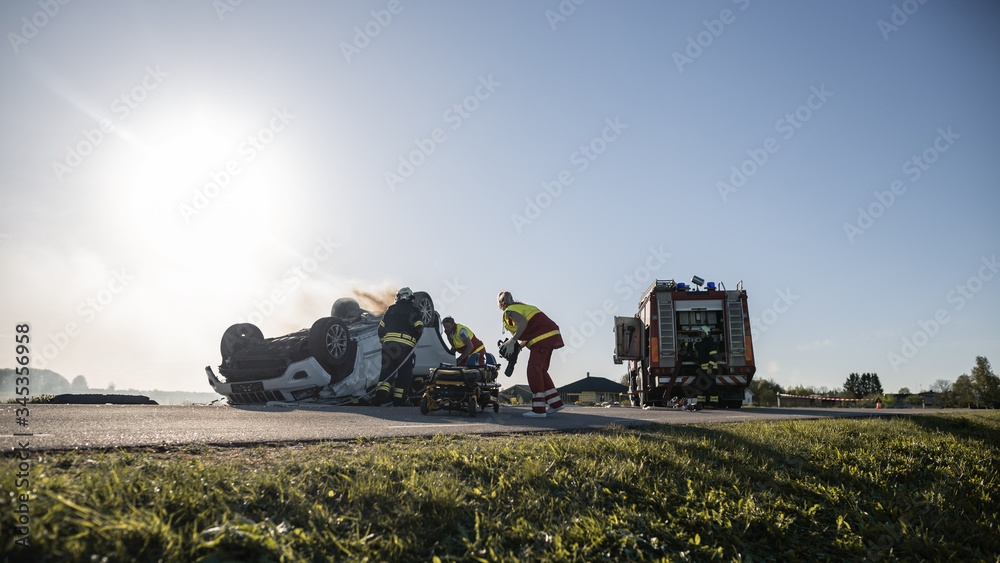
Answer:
(404, 294)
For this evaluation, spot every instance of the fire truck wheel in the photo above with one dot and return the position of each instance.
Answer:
(238, 335)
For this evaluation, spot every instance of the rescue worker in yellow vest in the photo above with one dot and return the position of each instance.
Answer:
(400, 329)
(540, 335)
(464, 342)
(708, 351)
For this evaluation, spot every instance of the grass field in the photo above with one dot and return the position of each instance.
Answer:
(923, 487)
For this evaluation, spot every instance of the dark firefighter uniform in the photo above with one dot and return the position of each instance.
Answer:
(708, 352)
(398, 332)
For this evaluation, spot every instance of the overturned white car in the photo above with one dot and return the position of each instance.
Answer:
(336, 361)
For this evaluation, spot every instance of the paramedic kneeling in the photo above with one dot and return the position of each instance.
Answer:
(464, 341)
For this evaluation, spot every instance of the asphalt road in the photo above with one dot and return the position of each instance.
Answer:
(62, 427)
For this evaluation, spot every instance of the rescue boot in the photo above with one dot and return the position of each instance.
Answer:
(381, 394)
(397, 398)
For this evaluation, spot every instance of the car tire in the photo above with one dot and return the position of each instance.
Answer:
(338, 373)
(238, 336)
(330, 342)
(347, 309)
(423, 302)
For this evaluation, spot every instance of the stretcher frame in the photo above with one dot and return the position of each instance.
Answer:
(464, 388)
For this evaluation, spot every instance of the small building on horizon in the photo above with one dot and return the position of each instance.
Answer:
(592, 391)
(924, 399)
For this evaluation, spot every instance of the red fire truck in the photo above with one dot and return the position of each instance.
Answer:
(689, 344)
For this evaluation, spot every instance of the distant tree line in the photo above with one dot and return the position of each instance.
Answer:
(42, 381)
(47, 382)
(979, 389)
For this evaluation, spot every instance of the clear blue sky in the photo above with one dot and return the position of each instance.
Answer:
(168, 169)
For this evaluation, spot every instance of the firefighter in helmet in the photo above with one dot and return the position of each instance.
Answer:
(708, 351)
(400, 329)
(464, 342)
(540, 335)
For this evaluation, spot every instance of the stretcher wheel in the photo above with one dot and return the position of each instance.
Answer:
(425, 405)
(472, 406)
(496, 406)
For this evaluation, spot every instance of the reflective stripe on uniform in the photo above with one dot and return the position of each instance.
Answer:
(399, 337)
(542, 337)
(552, 396)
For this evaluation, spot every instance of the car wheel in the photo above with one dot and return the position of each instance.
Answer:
(338, 373)
(423, 302)
(330, 342)
(238, 336)
(347, 309)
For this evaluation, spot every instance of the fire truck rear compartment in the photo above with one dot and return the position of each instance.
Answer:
(661, 345)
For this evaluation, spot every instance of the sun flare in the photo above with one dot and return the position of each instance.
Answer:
(193, 201)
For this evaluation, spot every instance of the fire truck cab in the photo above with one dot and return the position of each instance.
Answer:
(665, 348)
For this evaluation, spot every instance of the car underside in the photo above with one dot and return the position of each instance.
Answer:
(335, 361)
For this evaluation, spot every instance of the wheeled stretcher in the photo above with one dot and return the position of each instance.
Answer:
(468, 388)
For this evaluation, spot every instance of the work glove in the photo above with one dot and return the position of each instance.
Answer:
(507, 348)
